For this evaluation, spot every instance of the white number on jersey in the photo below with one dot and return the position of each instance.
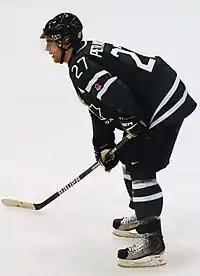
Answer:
(147, 67)
(76, 68)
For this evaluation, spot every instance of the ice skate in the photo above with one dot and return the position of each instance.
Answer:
(148, 252)
(126, 227)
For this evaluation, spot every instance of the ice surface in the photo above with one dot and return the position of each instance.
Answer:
(45, 142)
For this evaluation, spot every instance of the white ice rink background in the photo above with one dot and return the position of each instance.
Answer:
(45, 142)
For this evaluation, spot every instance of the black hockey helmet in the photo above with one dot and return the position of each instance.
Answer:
(64, 28)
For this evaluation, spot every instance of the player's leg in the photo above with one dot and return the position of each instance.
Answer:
(125, 226)
(153, 152)
(148, 201)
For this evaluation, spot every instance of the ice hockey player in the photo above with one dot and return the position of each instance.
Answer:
(134, 93)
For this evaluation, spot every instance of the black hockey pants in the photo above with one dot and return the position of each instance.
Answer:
(142, 158)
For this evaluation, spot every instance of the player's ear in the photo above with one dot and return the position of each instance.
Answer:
(68, 46)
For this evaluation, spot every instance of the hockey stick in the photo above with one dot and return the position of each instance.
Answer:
(38, 206)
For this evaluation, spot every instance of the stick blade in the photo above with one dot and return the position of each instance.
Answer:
(17, 203)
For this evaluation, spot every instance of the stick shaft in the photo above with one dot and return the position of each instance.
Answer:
(38, 206)
(81, 176)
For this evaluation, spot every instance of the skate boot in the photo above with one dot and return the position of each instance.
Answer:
(147, 252)
(125, 227)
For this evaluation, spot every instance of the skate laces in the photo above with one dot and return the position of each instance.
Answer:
(129, 219)
(141, 244)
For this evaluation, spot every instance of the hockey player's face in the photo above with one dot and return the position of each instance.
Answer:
(53, 50)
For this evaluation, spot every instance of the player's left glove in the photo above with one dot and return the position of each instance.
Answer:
(109, 161)
(133, 126)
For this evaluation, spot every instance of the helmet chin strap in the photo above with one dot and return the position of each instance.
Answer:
(63, 51)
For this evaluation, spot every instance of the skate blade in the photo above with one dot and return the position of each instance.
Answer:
(149, 261)
(126, 234)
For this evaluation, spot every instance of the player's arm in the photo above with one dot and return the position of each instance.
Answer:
(103, 135)
(103, 141)
(90, 77)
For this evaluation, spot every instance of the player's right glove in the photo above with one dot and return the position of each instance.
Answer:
(133, 126)
(109, 161)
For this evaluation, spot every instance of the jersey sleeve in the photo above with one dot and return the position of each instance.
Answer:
(88, 76)
(103, 135)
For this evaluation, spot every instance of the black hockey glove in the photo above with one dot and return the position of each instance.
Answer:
(109, 161)
(133, 126)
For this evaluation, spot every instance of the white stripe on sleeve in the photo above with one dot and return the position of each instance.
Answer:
(95, 78)
(105, 87)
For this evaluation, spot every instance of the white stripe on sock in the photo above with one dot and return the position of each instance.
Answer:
(142, 185)
(147, 198)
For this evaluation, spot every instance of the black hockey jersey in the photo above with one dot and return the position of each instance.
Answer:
(115, 82)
